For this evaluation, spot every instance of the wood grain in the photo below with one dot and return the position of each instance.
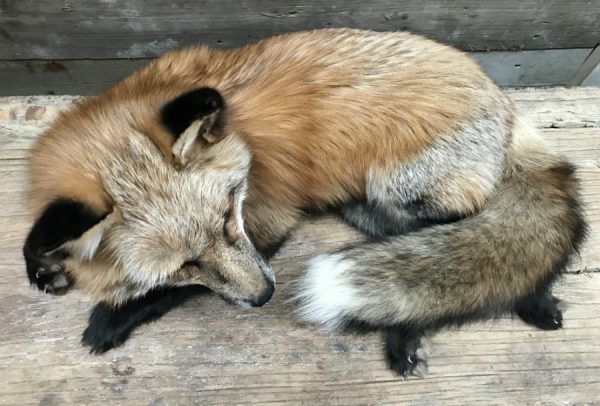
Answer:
(210, 353)
(79, 29)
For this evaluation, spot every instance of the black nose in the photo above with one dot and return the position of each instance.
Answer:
(265, 296)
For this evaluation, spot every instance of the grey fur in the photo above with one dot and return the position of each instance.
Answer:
(473, 155)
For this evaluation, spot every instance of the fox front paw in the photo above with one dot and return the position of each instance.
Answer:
(48, 274)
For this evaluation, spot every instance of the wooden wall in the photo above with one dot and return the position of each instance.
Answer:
(70, 45)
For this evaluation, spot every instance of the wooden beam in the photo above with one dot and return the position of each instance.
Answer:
(86, 77)
(549, 67)
(594, 78)
(80, 29)
(586, 68)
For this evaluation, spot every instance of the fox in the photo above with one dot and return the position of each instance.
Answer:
(194, 170)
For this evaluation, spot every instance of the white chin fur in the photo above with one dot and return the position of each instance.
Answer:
(325, 291)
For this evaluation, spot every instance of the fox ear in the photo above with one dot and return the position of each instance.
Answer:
(199, 133)
(193, 118)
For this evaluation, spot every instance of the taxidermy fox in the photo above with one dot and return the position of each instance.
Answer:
(194, 168)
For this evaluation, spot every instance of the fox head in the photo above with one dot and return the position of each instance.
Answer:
(168, 220)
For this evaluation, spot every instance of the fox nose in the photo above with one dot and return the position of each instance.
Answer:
(264, 296)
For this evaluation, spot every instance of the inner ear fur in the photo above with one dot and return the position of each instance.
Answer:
(197, 134)
(178, 114)
(193, 118)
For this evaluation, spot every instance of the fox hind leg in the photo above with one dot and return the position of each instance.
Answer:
(451, 178)
(378, 220)
(541, 310)
(404, 350)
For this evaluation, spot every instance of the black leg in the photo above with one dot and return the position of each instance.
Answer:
(63, 220)
(541, 310)
(109, 327)
(376, 220)
(270, 251)
(404, 352)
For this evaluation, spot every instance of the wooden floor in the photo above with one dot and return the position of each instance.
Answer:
(211, 353)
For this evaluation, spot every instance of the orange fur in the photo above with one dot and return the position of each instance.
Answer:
(306, 104)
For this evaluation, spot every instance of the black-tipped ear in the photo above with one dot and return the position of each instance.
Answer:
(178, 114)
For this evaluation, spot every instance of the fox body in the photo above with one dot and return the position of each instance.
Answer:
(194, 167)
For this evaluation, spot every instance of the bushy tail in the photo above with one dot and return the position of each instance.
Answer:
(476, 267)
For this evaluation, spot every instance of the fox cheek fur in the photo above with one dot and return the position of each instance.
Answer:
(470, 216)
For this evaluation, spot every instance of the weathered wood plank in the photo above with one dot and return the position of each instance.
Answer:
(210, 353)
(515, 68)
(78, 29)
(559, 107)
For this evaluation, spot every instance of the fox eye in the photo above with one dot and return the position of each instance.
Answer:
(226, 227)
(192, 262)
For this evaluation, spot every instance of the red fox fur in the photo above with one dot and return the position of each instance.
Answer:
(190, 168)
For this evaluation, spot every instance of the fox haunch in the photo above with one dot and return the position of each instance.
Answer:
(190, 169)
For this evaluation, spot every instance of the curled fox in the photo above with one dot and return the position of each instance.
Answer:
(194, 168)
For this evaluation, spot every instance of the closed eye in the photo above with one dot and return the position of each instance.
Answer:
(226, 233)
(192, 262)
(227, 215)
